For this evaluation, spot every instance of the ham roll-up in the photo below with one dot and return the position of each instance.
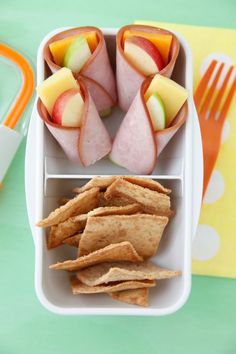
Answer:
(142, 51)
(67, 108)
(158, 110)
(84, 51)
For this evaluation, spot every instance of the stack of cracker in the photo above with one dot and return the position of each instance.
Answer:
(117, 224)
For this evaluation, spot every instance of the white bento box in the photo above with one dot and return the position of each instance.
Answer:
(49, 175)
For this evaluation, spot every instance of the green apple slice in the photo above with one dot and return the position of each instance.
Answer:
(105, 113)
(113, 161)
(77, 54)
(157, 112)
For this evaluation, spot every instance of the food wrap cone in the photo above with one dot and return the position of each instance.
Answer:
(97, 72)
(129, 78)
(136, 145)
(86, 144)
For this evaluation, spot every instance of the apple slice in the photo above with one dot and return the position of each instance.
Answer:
(51, 88)
(59, 47)
(172, 94)
(68, 109)
(77, 54)
(105, 113)
(162, 41)
(157, 112)
(113, 161)
(143, 54)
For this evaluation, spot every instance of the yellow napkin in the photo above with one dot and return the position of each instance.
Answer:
(214, 247)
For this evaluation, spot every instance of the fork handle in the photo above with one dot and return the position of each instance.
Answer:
(209, 163)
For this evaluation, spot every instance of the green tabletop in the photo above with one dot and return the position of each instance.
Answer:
(206, 324)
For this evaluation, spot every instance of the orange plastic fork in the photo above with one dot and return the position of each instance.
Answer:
(211, 116)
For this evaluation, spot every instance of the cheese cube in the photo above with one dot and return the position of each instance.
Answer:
(51, 88)
(172, 94)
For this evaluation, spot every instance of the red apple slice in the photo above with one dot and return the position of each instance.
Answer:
(143, 54)
(68, 109)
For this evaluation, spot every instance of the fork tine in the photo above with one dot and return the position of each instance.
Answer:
(228, 100)
(203, 83)
(211, 90)
(221, 93)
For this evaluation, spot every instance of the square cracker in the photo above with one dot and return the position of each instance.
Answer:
(75, 224)
(81, 204)
(99, 182)
(73, 240)
(66, 229)
(147, 183)
(122, 271)
(143, 231)
(123, 251)
(112, 202)
(153, 202)
(103, 182)
(63, 200)
(116, 210)
(80, 288)
(138, 297)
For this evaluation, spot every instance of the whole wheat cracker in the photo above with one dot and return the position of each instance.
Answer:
(100, 182)
(75, 224)
(153, 202)
(116, 210)
(63, 201)
(123, 251)
(147, 183)
(103, 182)
(122, 271)
(142, 230)
(73, 240)
(102, 201)
(81, 204)
(80, 288)
(138, 297)
(121, 201)
(59, 233)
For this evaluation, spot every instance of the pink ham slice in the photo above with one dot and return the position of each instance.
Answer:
(94, 142)
(84, 145)
(134, 146)
(128, 81)
(97, 69)
(162, 137)
(128, 78)
(98, 94)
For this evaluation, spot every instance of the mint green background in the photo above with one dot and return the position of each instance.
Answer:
(207, 323)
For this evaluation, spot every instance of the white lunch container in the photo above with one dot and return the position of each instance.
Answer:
(49, 175)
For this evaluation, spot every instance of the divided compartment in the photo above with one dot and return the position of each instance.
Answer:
(170, 160)
(50, 175)
(56, 286)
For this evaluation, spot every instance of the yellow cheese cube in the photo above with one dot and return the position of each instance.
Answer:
(58, 48)
(172, 94)
(51, 88)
